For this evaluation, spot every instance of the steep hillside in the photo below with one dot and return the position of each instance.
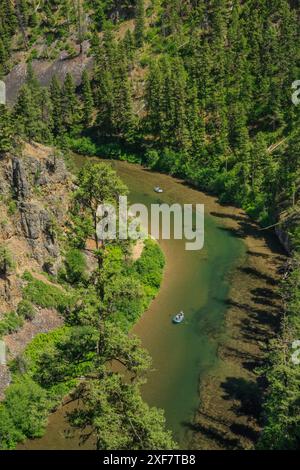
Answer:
(34, 198)
(201, 89)
(34, 187)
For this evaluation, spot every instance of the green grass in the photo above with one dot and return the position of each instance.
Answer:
(11, 323)
(45, 295)
(24, 412)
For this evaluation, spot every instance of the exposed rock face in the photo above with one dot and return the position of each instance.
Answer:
(19, 180)
(34, 198)
(30, 220)
(34, 191)
(46, 69)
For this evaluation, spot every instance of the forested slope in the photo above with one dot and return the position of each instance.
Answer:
(197, 88)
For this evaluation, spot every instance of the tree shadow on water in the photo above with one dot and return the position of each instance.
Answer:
(247, 227)
(255, 273)
(245, 431)
(266, 293)
(246, 392)
(215, 435)
(223, 215)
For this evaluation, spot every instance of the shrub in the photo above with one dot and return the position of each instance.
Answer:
(170, 161)
(145, 61)
(82, 145)
(41, 344)
(150, 265)
(26, 310)
(6, 261)
(45, 295)
(28, 407)
(151, 158)
(12, 207)
(75, 266)
(39, 368)
(9, 435)
(10, 323)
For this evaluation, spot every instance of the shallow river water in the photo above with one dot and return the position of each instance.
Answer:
(196, 282)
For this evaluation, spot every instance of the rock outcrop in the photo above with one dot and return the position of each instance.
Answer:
(34, 197)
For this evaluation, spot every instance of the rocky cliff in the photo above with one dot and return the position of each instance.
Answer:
(34, 188)
(34, 197)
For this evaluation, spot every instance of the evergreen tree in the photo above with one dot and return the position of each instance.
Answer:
(3, 53)
(113, 94)
(33, 110)
(196, 125)
(88, 101)
(139, 32)
(56, 101)
(154, 99)
(129, 46)
(46, 112)
(70, 105)
(289, 172)
(97, 184)
(26, 114)
(6, 130)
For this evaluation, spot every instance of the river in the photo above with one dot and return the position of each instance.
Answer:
(196, 282)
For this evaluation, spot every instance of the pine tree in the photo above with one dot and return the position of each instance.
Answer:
(46, 112)
(70, 105)
(241, 146)
(153, 99)
(6, 130)
(88, 101)
(196, 125)
(179, 123)
(129, 46)
(104, 100)
(3, 53)
(289, 171)
(139, 32)
(218, 18)
(80, 24)
(26, 114)
(56, 100)
(113, 96)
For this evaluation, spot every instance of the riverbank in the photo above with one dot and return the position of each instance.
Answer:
(218, 288)
(231, 397)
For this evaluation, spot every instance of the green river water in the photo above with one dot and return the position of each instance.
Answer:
(196, 282)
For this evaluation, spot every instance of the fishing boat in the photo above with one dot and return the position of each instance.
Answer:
(178, 318)
(158, 189)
